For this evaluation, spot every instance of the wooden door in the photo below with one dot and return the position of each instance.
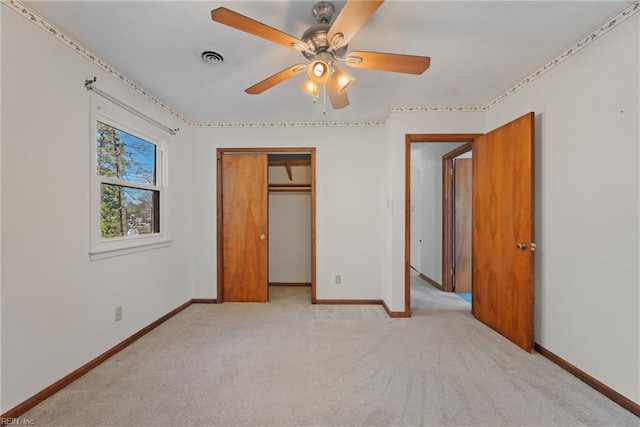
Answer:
(503, 212)
(244, 228)
(463, 177)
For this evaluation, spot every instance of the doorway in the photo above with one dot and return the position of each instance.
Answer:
(437, 263)
(462, 214)
(503, 227)
(440, 276)
(456, 219)
(253, 182)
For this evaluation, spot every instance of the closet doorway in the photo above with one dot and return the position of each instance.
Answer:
(265, 221)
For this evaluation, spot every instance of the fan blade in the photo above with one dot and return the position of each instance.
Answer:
(277, 78)
(395, 62)
(338, 100)
(251, 26)
(352, 17)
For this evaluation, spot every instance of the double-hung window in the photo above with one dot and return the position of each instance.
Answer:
(129, 183)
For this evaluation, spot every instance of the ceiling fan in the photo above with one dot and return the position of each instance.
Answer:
(325, 45)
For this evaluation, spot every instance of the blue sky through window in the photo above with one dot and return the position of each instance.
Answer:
(142, 157)
(136, 160)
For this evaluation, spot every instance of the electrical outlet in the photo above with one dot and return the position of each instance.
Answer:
(118, 313)
(338, 279)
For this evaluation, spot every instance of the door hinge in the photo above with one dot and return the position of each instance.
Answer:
(453, 271)
(451, 171)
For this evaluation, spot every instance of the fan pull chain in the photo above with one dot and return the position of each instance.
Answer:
(324, 100)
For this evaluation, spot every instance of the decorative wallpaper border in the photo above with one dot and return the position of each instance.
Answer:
(37, 20)
(439, 109)
(287, 124)
(625, 14)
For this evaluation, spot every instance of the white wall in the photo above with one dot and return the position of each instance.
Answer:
(289, 237)
(587, 196)
(57, 306)
(350, 208)
(416, 203)
(426, 196)
(387, 231)
(400, 124)
(289, 227)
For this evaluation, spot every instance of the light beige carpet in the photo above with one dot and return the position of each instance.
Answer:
(292, 363)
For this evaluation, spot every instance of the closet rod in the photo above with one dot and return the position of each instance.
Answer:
(89, 85)
(280, 189)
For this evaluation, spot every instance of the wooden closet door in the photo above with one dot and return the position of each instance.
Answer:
(245, 228)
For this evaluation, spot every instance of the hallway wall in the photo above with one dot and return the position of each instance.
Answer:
(426, 197)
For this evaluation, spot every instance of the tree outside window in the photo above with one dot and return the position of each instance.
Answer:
(129, 200)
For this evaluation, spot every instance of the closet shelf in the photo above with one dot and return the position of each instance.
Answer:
(290, 187)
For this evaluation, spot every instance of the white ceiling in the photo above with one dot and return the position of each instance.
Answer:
(478, 51)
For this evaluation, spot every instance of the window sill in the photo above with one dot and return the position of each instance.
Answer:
(98, 254)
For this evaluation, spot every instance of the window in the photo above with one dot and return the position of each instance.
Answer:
(129, 191)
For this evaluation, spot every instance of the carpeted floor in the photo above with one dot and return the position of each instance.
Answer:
(292, 363)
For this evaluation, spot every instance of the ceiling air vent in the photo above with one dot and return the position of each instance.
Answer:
(212, 57)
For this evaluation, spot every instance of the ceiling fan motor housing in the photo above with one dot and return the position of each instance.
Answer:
(323, 11)
(316, 38)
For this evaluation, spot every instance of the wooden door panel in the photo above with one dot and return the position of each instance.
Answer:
(503, 285)
(244, 227)
(462, 217)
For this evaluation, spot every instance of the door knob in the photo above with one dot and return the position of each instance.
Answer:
(262, 237)
(521, 245)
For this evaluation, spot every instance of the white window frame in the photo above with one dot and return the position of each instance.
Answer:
(110, 114)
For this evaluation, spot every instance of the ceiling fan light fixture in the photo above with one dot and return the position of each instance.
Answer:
(342, 79)
(311, 87)
(319, 71)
